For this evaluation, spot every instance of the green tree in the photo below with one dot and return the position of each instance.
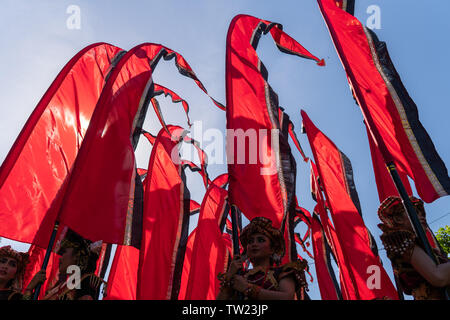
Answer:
(443, 236)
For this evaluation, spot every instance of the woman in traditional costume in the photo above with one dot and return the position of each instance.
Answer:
(267, 280)
(74, 251)
(419, 275)
(12, 269)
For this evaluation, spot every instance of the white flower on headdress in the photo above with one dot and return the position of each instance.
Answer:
(96, 246)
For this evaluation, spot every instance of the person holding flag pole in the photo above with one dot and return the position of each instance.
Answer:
(389, 112)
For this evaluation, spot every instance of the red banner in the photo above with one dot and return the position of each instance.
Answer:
(345, 276)
(336, 179)
(390, 113)
(122, 279)
(165, 221)
(209, 253)
(45, 150)
(261, 171)
(187, 265)
(329, 289)
(104, 173)
(385, 184)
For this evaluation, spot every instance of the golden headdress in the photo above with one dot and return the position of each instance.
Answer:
(263, 226)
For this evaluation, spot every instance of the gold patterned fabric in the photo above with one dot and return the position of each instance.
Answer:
(399, 240)
(269, 279)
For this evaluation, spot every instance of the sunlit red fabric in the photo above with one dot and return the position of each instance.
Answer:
(252, 105)
(209, 253)
(385, 184)
(104, 171)
(390, 113)
(345, 277)
(350, 229)
(122, 279)
(165, 221)
(327, 286)
(45, 149)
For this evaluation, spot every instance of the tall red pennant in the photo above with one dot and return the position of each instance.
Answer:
(122, 279)
(209, 252)
(165, 221)
(334, 171)
(106, 160)
(346, 278)
(329, 289)
(348, 286)
(44, 151)
(187, 265)
(264, 165)
(385, 185)
(390, 113)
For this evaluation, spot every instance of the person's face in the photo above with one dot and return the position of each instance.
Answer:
(259, 247)
(8, 268)
(67, 259)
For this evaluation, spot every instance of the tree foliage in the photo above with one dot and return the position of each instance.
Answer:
(443, 236)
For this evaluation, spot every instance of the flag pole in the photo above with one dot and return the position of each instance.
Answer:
(234, 229)
(235, 239)
(47, 257)
(391, 167)
(412, 214)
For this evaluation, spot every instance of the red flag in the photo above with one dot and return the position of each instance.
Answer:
(335, 173)
(165, 221)
(385, 184)
(209, 253)
(187, 265)
(44, 151)
(345, 276)
(122, 279)
(390, 113)
(253, 112)
(329, 289)
(106, 160)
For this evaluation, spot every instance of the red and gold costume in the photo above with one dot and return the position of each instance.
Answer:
(399, 240)
(269, 278)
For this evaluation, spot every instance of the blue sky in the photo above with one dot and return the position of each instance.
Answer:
(36, 44)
